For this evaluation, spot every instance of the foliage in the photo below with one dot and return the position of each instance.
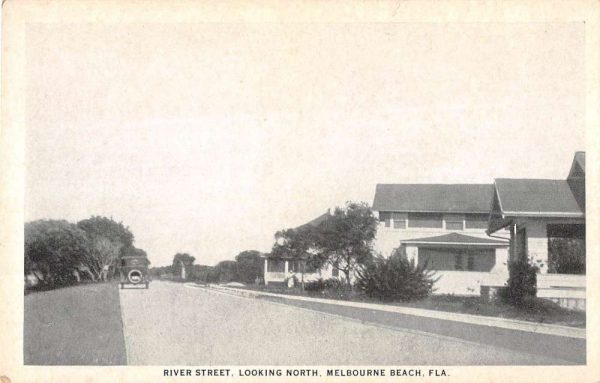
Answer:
(395, 278)
(344, 239)
(182, 266)
(53, 251)
(299, 245)
(227, 271)
(325, 284)
(162, 272)
(107, 239)
(522, 282)
(250, 266)
(566, 255)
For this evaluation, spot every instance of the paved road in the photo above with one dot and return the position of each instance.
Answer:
(172, 324)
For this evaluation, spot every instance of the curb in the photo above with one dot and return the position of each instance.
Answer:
(510, 324)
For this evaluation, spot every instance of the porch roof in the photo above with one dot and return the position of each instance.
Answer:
(536, 197)
(456, 239)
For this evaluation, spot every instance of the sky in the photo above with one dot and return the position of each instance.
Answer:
(207, 138)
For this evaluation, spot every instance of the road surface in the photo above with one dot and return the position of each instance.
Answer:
(175, 324)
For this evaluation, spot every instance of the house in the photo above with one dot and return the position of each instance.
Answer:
(537, 212)
(443, 226)
(282, 269)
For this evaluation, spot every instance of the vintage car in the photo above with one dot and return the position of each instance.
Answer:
(134, 271)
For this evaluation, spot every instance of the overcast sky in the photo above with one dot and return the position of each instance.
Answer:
(207, 138)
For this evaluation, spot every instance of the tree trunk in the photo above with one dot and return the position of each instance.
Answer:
(347, 272)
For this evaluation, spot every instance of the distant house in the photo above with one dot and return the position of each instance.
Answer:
(444, 227)
(536, 211)
(282, 269)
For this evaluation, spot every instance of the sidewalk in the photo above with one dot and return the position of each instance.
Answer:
(509, 324)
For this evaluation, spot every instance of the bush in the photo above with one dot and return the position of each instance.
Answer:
(325, 284)
(566, 255)
(522, 282)
(395, 278)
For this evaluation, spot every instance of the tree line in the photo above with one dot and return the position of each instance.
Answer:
(343, 240)
(58, 252)
(246, 268)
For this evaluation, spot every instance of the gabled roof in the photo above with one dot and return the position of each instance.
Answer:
(442, 198)
(578, 165)
(315, 222)
(537, 197)
(456, 239)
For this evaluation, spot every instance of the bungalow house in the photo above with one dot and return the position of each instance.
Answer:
(444, 227)
(538, 212)
(281, 269)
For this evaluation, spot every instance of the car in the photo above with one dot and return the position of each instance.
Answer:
(134, 271)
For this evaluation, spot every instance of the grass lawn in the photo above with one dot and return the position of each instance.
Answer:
(78, 325)
(538, 310)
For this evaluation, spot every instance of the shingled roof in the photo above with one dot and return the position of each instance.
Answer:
(536, 197)
(442, 198)
(316, 221)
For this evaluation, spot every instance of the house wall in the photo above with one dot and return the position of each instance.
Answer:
(466, 283)
(388, 238)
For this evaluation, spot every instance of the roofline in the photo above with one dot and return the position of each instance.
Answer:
(434, 211)
(434, 183)
(499, 244)
(556, 214)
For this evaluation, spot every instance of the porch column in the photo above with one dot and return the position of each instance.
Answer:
(412, 253)
(266, 271)
(501, 263)
(537, 244)
(285, 269)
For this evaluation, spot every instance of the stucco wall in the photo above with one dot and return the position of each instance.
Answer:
(466, 282)
(387, 239)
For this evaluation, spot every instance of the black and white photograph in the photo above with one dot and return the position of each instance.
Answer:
(299, 191)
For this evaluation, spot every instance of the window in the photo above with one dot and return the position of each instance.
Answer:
(458, 262)
(454, 221)
(399, 220)
(454, 225)
(471, 262)
(476, 221)
(425, 220)
(385, 216)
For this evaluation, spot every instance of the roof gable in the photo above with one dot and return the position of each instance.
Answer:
(578, 166)
(459, 198)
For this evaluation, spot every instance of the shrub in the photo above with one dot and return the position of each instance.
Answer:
(566, 255)
(325, 284)
(395, 278)
(522, 281)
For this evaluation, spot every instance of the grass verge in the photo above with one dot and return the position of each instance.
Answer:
(536, 310)
(77, 325)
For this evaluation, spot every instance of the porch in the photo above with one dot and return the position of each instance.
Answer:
(463, 263)
(283, 271)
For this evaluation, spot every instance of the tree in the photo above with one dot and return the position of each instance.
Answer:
(249, 265)
(182, 266)
(106, 241)
(227, 271)
(298, 245)
(344, 239)
(54, 250)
